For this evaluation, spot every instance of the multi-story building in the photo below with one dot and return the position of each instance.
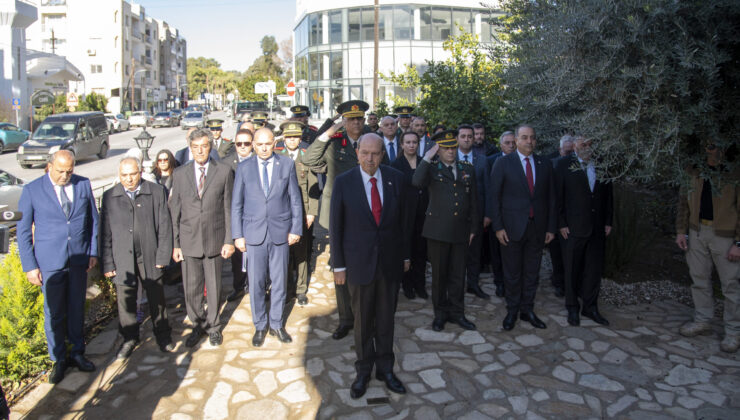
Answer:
(15, 17)
(172, 64)
(117, 47)
(333, 44)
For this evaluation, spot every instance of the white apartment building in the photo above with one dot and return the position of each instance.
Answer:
(15, 18)
(131, 58)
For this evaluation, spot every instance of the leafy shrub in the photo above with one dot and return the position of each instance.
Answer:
(632, 232)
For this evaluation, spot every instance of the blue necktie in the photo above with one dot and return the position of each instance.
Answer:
(265, 178)
(465, 157)
(591, 173)
(66, 204)
(392, 153)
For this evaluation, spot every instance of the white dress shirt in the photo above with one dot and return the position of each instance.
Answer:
(387, 143)
(369, 186)
(270, 162)
(69, 189)
(590, 172)
(524, 165)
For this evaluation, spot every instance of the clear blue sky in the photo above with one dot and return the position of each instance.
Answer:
(227, 30)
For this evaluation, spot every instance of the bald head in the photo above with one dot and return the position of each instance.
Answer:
(370, 150)
(63, 155)
(370, 138)
(264, 143)
(61, 166)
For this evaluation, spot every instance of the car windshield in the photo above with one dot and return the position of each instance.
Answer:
(162, 114)
(54, 131)
(194, 115)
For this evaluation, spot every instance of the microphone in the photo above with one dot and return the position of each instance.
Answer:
(10, 216)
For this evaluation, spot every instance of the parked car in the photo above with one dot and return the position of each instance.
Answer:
(193, 119)
(163, 119)
(177, 115)
(83, 133)
(11, 137)
(140, 119)
(117, 122)
(10, 192)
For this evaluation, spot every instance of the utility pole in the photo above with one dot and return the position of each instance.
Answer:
(132, 81)
(53, 42)
(375, 65)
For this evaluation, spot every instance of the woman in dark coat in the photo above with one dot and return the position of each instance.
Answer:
(414, 280)
(163, 168)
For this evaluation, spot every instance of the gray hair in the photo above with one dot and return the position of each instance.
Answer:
(130, 159)
(504, 134)
(566, 138)
(199, 133)
(387, 117)
(369, 136)
(135, 153)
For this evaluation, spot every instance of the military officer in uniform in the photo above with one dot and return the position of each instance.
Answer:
(404, 118)
(337, 150)
(301, 114)
(260, 119)
(221, 144)
(449, 226)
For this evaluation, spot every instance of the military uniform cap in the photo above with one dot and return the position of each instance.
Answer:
(394, 116)
(447, 138)
(404, 111)
(351, 109)
(259, 116)
(292, 128)
(215, 124)
(300, 111)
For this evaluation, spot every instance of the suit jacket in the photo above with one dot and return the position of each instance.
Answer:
(428, 143)
(417, 199)
(307, 181)
(453, 203)
(339, 156)
(153, 227)
(201, 226)
(257, 218)
(225, 147)
(47, 239)
(481, 178)
(357, 242)
(232, 159)
(182, 156)
(584, 212)
(511, 200)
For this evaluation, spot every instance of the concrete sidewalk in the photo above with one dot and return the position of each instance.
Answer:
(637, 368)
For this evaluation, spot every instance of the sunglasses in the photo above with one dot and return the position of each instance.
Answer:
(243, 143)
(163, 160)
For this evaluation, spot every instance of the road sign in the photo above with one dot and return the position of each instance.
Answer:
(42, 97)
(264, 87)
(290, 88)
(16, 103)
(72, 100)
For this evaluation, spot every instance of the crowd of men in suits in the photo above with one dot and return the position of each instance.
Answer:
(391, 196)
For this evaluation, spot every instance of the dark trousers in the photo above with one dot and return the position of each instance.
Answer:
(448, 277)
(584, 263)
(267, 258)
(239, 276)
(521, 261)
(472, 262)
(64, 310)
(374, 308)
(299, 260)
(415, 279)
(200, 272)
(497, 265)
(127, 325)
(556, 255)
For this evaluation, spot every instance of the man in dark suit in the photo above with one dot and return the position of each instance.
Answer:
(241, 151)
(267, 213)
(367, 254)
(556, 246)
(336, 150)
(58, 244)
(184, 155)
(449, 226)
(419, 126)
(391, 146)
(480, 143)
(200, 205)
(221, 145)
(135, 247)
(523, 214)
(507, 143)
(465, 153)
(585, 207)
(300, 253)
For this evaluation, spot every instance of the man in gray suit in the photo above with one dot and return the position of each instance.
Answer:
(200, 203)
(267, 217)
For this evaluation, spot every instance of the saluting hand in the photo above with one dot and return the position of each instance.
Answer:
(431, 152)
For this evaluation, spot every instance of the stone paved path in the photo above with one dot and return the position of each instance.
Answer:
(639, 368)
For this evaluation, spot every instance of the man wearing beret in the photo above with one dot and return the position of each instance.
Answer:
(449, 226)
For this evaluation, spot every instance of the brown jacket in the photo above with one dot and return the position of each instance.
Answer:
(726, 206)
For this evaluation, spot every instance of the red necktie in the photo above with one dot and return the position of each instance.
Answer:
(377, 207)
(530, 182)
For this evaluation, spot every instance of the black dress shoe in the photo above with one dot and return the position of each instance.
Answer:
(509, 321)
(359, 386)
(559, 292)
(463, 322)
(302, 299)
(166, 347)
(595, 316)
(259, 338)
(409, 293)
(57, 372)
(500, 290)
(573, 318)
(234, 295)
(282, 335)
(341, 332)
(126, 349)
(216, 338)
(82, 363)
(391, 382)
(195, 336)
(532, 319)
(422, 293)
(476, 290)
(438, 324)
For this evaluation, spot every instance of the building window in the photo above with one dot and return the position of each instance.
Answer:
(486, 28)
(425, 26)
(315, 29)
(368, 24)
(461, 18)
(314, 66)
(96, 68)
(403, 22)
(441, 23)
(354, 19)
(335, 27)
(336, 65)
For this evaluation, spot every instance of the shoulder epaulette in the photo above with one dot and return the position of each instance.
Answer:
(225, 139)
(279, 148)
(338, 135)
(313, 127)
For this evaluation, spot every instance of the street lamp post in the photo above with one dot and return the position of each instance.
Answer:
(144, 141)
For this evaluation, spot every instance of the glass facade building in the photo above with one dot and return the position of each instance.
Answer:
(333, 46)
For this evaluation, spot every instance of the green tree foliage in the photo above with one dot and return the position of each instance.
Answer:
(465, 88)
(60, 106)
(22, 340)
(267, 66)
(93, 102)
(648, 80)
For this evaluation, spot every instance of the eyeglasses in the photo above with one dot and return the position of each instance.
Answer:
(243, 143)
(163, 160)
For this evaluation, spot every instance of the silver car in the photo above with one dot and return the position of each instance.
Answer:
(193, 119)
(117, 122)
